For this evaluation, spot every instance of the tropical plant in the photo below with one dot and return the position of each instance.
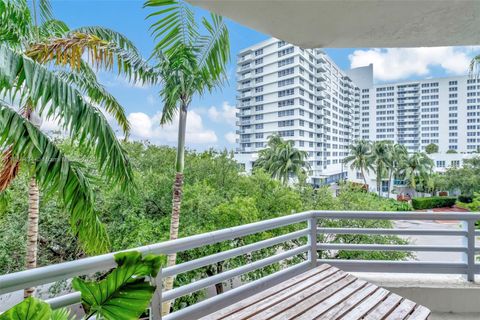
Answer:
(217, 195)
(34, 309)
(189, 63)
(359, 158)
(379, 159)
(397, 156)
(431, 148)
(43, 75)
(282, 160)
(123, 294)
(418, 165)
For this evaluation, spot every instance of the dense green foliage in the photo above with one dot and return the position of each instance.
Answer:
(282, 160)
(35, 309)
(124, 293)
(465, 179)
(217, 195)
(433, 202)
(431, 148)
(391, 161)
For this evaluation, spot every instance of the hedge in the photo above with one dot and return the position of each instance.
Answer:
(465, 199)
(433, 202)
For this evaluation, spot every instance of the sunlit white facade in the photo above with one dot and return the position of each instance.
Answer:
(303, 96)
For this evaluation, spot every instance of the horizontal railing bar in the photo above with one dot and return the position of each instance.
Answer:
(208, 260)
(399, 266)
(385, 247)
(218, 302)
(477, 232)
(398, 215)
(200, 284)
(30, 278)
(64, 300)
(422, 232)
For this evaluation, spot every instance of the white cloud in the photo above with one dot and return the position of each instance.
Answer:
(224, 114)
(231, 137)
(401, 63)
(144, 127)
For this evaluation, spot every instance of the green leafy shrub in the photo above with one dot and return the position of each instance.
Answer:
(123, 294)
(465, 198)
(400, 205)
(433, 202)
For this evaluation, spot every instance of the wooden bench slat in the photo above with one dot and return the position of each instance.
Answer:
(266, 293)
(384, 308)
(320, 307)
(336, 311)
(324, 293)
(366, 305)
(285, 293)
(402, 310)
(420, 313)
(320, 292)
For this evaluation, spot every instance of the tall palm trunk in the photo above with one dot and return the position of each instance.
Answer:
(389, 183)
(176, 201)
(364, 177)
(32, 229)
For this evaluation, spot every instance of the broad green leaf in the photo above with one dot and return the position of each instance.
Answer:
(29, 309)
(124, 294)
(62, 314)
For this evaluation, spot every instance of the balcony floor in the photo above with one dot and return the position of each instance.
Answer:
(453, 316)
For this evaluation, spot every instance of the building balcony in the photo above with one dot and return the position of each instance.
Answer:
(245, 58)
(442, 285)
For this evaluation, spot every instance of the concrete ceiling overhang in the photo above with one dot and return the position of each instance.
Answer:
(357, 23)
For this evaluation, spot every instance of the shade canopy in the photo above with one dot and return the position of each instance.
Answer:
(357, 23)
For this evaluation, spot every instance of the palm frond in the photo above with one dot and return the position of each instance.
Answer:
(45, 9)
(101, 53)
(55, 98)
(86, 81)
(15, 21)
(175, 25)
(9, 168)
(52, 28)
(214, 48)
(55, 173)
(112, 36)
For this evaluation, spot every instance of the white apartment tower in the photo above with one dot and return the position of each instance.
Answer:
(443, 111)
(303, 96)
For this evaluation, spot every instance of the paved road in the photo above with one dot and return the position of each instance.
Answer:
(434, 240)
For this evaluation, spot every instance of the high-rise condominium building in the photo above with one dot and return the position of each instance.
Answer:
(303, 96)
(443, 111)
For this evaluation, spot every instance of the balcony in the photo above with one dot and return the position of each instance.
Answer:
(308, 241)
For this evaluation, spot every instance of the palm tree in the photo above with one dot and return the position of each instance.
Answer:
(359, 157)
(189, 63)
(379, 159)
(417, 165)
(397, 157)
(282, 160)
(43, 75)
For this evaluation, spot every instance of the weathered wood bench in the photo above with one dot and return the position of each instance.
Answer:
(324, 293)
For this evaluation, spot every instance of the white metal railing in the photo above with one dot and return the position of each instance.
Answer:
(306, 228)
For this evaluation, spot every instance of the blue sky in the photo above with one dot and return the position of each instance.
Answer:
(211, 120)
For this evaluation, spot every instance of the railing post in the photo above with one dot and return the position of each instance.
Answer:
(469, 243)
(156, 304)
(312, 242)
